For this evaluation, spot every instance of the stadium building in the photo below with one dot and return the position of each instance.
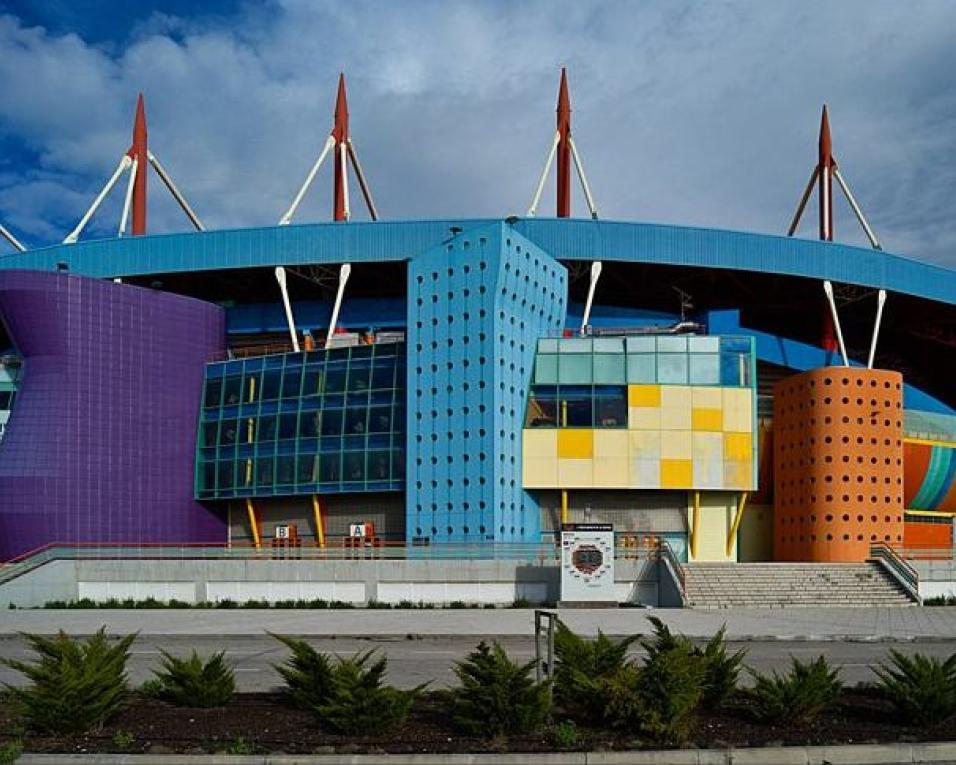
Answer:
(476, 384)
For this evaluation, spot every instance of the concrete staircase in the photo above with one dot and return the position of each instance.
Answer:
(787, 585)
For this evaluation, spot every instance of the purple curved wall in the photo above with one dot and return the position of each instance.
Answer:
(100, 445)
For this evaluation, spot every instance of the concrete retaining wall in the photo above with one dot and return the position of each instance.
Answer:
(353, 581)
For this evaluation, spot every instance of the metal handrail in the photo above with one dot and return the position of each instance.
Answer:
(899, 568)
(670, 560)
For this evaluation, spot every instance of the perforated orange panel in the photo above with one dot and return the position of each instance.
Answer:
(838, 463)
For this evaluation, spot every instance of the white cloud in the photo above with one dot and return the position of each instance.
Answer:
(702, 114)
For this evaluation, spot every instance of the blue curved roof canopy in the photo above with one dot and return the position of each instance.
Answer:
(566, 239)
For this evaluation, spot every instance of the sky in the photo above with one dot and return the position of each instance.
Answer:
(698, 113)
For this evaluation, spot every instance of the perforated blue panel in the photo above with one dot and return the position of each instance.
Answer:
(477, 305)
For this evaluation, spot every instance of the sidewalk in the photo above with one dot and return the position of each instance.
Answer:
(742, 623)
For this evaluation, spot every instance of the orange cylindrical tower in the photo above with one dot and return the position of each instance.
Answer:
(838, 463)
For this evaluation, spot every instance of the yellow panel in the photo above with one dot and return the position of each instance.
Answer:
(676, 474)
(676, 396)
(706, 419)
(644, 395)
(611, 474)
(539, 472)
(610, 444)
(737, 398)
(540, 442)
(707, 397)
(675, 418)
(645, 417)
(576, 474)
(576, 443)
(738, 474)
(716, 517)
(676, 444)
(738, 420)
(738, 446)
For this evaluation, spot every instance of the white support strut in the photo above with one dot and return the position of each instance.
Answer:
(363, 184)
(595, 275)
(874, 243)
(343, 158)
(128, 199)
(344, 273)
(286, 219)
(584, 181)
(803, 202)
(124, 165)
(177, 195)
(880, 300)
(5, 233)
(828, 289)
(544, 175)
(280, 277)
(827, 202)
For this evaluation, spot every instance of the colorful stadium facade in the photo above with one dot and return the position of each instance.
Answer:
(473, 386)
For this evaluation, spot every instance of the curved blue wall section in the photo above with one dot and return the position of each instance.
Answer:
(101, 444)
(477, 305)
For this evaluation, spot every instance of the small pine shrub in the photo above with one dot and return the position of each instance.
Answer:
(359, 703)
(194, 683)
(922, 688)
(307, 673)
(565, 735)
(123, 739)
(582, 667)
(721, 670)
(498, 696)
(75, 684)
(238, 747)
(660, 698)
(798, 697)
(151, 688)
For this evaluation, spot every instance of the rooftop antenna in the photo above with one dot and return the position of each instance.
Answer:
(135, 161)
(566, 150)
(5, 233)
(339, 143)
(823, 174)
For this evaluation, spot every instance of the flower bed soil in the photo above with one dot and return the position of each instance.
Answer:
(265, 724)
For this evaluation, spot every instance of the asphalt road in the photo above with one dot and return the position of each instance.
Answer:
(417, 660)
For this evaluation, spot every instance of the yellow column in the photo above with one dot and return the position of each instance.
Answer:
(564, 506)
(250, 508)
(317, 512)
(732, 536)
(695, 528)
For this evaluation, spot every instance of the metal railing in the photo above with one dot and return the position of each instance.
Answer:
(897, 567)
(671, 563)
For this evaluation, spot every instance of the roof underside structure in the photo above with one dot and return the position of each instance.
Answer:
(773, 280)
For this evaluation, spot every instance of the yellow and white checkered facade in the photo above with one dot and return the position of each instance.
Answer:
(677, 437)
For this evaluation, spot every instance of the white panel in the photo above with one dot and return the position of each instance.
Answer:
(349, 592)
(101, 591)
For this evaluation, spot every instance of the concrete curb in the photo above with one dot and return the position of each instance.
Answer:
(856, 754)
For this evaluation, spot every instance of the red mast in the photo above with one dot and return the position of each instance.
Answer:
(826, 164)
(139, 152)
(564, 148)
(340, 132)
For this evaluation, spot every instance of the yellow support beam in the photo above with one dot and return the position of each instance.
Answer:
(931, 513)
(695, 527)
(564, 506)
(250, 508)
(317, 512)
(735, 527)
